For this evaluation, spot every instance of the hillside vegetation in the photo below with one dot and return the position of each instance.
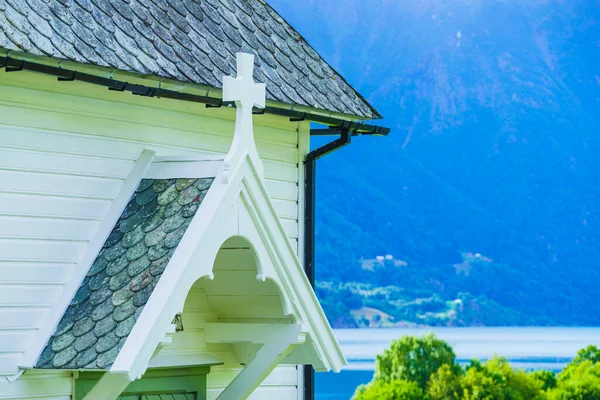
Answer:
(494, 150)
(445, 295)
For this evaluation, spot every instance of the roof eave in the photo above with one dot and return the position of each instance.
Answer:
(156, 81)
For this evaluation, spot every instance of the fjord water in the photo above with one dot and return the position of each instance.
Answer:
(526, 348)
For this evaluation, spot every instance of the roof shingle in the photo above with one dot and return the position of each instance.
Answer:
(117, 286)
(187, 40)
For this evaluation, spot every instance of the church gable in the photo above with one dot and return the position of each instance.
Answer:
(190, 41)
(187, 229)
(238, 205)
(122, 278)
(165, 240)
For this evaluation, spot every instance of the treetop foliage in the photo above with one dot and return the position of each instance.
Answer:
(425, 368)
(414, 359)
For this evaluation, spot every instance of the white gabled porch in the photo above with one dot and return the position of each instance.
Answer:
(237, 319)
(235, 265)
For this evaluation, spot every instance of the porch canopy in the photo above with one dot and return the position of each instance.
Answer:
(193, 244)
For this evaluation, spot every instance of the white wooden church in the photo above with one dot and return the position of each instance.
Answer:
(153, 200)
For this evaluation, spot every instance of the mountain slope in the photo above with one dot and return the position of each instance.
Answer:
(494, 148)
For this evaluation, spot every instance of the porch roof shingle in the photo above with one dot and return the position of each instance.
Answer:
(123, 276)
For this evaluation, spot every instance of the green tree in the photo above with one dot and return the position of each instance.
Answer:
(445, 383)
(424, 368)
(413, 359)
(393, 390)
(547, 378)
(523, 386)
(495, 379)
(580, 380)
(591, 353)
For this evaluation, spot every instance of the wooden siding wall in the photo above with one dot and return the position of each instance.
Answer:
(39, 386)
(65, 150)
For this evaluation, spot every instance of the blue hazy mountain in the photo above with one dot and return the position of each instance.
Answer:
(495, 152)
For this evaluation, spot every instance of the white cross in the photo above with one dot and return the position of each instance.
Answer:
(246, 94)
(242, 89)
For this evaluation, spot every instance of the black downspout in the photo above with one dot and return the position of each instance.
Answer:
(310, 164)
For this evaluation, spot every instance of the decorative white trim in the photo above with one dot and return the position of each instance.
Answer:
(246, 94)
(167, 169)
(290, 275)
(168, 338)
(232, 332)
(280, 344)
(184, 360)
(48, 326)
(189, 157)
(12, 378)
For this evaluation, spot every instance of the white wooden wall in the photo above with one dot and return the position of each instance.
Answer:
(38, 385)
(65, 149)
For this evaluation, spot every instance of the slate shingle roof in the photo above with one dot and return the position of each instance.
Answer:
(112, 296)
(188, 40)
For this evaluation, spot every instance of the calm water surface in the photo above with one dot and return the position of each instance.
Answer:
(526, 348)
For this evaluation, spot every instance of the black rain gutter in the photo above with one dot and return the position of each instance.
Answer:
(310, 164)
(13, 64)
(345, 131)
(310, 175)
